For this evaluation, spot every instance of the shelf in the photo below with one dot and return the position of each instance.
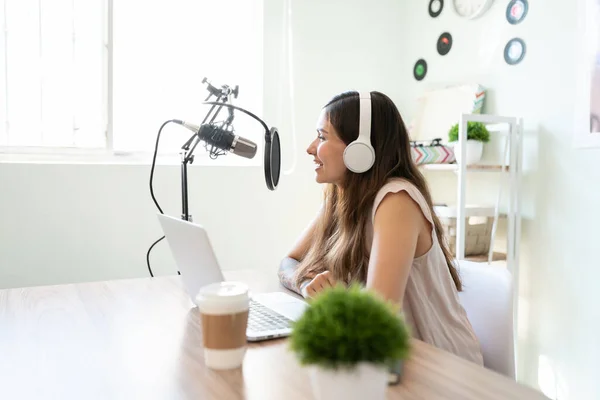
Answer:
(454, 167)
(484, 257)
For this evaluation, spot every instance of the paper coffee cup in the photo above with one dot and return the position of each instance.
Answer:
(223, 308)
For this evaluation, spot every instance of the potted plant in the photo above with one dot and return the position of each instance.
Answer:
(477, 135)
(349, 338)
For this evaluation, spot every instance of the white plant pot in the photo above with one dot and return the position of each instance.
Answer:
(474, 151)
(365, 381)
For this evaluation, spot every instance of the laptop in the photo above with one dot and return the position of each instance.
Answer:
(270, 314)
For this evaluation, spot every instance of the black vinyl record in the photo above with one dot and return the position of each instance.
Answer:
(435, 8)
(516, 11)
(272, 158)
(514, 52)
(420, 69)
(444, 43)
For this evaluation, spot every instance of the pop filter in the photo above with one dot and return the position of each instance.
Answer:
(272, 161)
(272, 158)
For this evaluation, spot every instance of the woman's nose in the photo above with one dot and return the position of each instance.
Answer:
(311, 148)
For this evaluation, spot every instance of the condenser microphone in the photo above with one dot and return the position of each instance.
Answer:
(222, 139)
(272, 163)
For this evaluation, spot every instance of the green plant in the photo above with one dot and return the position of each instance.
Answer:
(345, 326)
(475, 131)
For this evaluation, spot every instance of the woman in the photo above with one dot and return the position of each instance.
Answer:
(378, 228)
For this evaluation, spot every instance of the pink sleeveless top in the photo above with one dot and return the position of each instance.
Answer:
(431, 305)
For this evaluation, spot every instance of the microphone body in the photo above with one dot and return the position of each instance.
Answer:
(223, 139)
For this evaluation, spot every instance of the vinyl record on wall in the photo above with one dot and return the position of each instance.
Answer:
(516, 11)
(420, 69)
(435, 8)
(444, 43)
(514, 52)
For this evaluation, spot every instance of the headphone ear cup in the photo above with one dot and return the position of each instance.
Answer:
(359, 157)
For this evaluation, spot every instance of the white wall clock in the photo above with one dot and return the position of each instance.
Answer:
(471, 9)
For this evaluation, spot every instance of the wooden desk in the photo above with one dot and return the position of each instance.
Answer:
(140, 339)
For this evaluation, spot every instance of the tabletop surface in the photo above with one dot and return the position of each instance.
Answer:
(141, 339)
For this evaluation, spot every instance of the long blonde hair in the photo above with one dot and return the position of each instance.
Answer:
(339, 244)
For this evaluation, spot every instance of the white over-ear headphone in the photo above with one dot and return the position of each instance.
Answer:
(359, 156)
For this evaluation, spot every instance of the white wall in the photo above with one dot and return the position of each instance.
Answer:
(559, 296)
(73, 223)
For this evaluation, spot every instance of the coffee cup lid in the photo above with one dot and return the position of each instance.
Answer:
(222, 296)
(224, 289)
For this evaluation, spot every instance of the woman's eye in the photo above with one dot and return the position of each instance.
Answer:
(320, 136)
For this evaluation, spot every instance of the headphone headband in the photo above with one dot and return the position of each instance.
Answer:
(364, 126)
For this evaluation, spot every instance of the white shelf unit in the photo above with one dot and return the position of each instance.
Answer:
(509, 167)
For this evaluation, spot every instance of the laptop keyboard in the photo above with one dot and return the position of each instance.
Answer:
(262, 318)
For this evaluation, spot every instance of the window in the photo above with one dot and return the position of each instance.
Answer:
(101, 75)
(52, 74)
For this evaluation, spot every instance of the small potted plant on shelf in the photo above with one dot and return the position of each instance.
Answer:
(348, 338)
(477, 135)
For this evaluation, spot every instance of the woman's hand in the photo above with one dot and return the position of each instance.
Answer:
(320, 282)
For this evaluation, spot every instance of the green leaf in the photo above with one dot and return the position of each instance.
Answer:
(475, 131)
(345, 326)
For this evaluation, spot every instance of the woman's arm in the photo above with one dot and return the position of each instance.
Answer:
(287, 270)
(396, 226)
(288, 266)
